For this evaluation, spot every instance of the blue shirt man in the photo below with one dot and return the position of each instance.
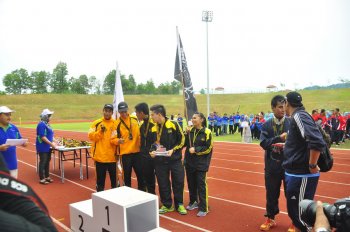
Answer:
(8, 131)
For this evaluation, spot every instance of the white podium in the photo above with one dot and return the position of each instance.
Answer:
(120, 209)
(81, 217)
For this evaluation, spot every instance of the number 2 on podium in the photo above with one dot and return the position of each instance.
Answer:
(82, 222)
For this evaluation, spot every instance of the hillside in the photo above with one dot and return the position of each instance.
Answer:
(89, 107)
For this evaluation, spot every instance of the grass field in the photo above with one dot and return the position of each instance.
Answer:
(89, 107)
(84, 127)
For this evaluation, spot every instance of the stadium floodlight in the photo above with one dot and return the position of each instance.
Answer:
(207, 16)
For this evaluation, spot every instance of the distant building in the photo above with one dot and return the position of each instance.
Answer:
(219, 90)
(271, 88)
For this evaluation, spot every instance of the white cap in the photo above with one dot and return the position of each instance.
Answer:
(5, 109)
(46, 112)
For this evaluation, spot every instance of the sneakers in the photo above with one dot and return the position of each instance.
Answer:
(268, 225)
(43, 181)
(165, 209)
(292, 228)
(48, 179)
(192, 206)
(181, 209)
(202, 214)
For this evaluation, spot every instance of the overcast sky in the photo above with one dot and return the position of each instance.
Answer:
(252, 43)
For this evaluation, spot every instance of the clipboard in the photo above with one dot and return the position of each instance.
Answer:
(16, 142)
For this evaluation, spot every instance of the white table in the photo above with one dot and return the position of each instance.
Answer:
(68, 154)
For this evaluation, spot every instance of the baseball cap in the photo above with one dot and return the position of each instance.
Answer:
(294, 98)
(122, 107)
(108, 106)
(5, 109)
(46, 112)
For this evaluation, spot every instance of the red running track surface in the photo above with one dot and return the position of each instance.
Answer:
(235, 181)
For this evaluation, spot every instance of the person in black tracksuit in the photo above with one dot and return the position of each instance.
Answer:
(147, 139)
(199, 148)
(170, 139)
(21, 210)
(274, 131)
(301, 152)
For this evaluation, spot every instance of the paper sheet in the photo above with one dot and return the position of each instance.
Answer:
(16, 142)
(161, 153)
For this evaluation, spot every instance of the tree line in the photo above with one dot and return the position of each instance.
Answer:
(20, 81)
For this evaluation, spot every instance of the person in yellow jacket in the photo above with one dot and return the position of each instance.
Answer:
(128, 141)
(102, 149)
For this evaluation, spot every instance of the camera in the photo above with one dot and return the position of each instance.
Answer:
(130, 136)
(338, 214)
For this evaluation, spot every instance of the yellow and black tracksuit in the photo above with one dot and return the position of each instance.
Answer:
(147, 139)
(129, 130)
(171, 137)
(103, 151)
(197, 165)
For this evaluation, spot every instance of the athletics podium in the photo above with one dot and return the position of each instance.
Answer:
(120, 209)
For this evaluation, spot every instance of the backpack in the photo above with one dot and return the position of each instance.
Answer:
(325, 160)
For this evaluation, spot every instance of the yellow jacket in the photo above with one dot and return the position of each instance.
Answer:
(102, 150)
(130, 145)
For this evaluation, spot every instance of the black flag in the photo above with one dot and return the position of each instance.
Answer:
(182, 74)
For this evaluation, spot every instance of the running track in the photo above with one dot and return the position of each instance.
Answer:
(235, 180)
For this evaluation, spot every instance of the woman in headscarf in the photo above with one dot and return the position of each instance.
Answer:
(44, 144)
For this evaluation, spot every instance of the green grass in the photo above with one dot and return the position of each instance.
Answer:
(84, 127)
(80, 127)
(89, 107)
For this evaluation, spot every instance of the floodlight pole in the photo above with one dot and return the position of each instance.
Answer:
(207, 16)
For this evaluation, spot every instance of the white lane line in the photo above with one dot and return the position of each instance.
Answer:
(261, 186)
(60, 224)
(237, 161)
(184, 223)
(59, 177)
(244, 204)
(261, 173)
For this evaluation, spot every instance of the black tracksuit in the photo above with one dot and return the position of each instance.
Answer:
(21, 210)
(274, 173)
(171, 137)
(147, 139)
(303, 136)
(197, 165)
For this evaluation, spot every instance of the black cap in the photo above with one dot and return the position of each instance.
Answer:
(122, 107)
(294, 98)
(108, 106)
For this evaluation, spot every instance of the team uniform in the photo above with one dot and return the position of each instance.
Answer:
(231, 119)
(129, 130)
(225, 120)
(147, 139)
(171, 137)
(274, 173)
(197, 165)
(211, 122)
(103, 151)
(303, 135)
(236, 122)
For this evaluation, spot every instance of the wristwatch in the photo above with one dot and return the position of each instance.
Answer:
(312, 166)
(322, 229)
